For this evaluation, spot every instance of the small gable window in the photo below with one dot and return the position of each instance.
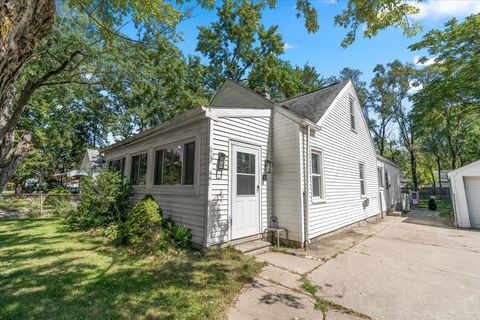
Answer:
(352, 114)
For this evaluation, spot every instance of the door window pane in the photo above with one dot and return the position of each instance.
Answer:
(245, 163)
(316, 180)
(245, 184)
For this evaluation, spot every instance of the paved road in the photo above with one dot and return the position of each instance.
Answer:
(399, 268)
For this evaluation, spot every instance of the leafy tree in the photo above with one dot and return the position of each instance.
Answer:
(376, 15)
(237, 42)
(449, 100)
(283, 80)
(396, 81)
(360, 86)
(381, 104)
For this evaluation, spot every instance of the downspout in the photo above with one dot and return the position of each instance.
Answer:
(306, 191)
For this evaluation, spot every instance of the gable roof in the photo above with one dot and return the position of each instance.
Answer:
(234, 95)
(313, 105)
(92, 159)
(471, 165)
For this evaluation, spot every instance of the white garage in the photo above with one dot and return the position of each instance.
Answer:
(465, 188)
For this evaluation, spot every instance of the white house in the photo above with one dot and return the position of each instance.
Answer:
(465, 190)
(225, 169)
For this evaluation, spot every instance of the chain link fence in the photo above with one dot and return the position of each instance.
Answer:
(36, 203)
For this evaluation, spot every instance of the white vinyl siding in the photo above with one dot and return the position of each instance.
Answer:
(343, 150)
(287, 190)
(186, 204)
(251, 130)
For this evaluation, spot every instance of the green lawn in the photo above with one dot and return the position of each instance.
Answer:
(48, 271)
(441, 204)
(19, 204)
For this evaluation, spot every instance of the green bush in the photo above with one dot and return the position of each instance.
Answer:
(173, 235)
(142, 223)
(55, 198)
(105, 200)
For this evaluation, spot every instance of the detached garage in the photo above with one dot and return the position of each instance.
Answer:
(465, 189)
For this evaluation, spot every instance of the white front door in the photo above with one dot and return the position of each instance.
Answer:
(245, 190)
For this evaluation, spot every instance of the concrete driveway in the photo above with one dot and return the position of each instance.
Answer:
(397, 268)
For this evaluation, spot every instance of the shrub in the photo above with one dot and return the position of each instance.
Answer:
(55, 198)
(177, 236)
(105, 200)
(142, 222)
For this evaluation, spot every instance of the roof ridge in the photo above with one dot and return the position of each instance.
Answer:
(316, 90)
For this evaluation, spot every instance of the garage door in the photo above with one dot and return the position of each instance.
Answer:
(472, 189)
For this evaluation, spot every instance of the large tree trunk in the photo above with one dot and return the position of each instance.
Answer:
(413, 164)
(439, 169)
(22, 24)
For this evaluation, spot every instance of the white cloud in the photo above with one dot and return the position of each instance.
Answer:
(438, 9)
(287, 46)
(429, 62)
(415, 87)
(328, 1)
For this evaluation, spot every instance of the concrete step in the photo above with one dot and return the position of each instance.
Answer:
(253, 247)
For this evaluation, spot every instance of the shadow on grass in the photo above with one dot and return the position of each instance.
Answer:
(47, 272)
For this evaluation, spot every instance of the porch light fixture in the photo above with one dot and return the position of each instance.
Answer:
(221, 161)
(268, 166)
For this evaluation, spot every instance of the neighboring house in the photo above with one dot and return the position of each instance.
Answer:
(90, 166)
(465, 190)
(223, 170)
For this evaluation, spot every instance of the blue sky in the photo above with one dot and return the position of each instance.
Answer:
(323, 50)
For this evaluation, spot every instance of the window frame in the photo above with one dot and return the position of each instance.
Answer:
(321, 174)
(353, 115)
(362, 180)
(137, 154)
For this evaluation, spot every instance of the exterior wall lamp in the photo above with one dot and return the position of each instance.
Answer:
(221, 161)
(268, 166)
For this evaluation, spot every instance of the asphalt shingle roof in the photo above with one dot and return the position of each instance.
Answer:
(313, 105)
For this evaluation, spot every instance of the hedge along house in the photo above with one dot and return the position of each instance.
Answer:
(223, 170)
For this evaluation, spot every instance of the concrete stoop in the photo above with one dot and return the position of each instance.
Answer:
(253, 247)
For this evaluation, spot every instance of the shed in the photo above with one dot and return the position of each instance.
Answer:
(465, 189)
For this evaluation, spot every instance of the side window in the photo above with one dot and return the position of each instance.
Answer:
(387, 183)
(362, 179)
(117, 165)
(380, 177)
(317, 175)
(138, 170)
(175, 165)
(352, 114)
